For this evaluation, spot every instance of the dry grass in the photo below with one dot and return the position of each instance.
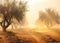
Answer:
(10, 37)
(52, 36)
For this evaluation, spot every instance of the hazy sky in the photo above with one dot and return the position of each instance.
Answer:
(36, 5)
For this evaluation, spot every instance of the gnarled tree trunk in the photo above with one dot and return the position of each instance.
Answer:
(5, 23)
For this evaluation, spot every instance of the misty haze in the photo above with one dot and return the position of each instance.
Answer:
(29, 21)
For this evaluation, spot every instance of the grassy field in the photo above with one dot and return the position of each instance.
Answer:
(32, 36)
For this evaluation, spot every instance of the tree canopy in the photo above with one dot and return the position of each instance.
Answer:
(50, 17)
(11, 11)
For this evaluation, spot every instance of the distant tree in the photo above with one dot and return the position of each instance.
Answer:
(50, 17)
(10, 11)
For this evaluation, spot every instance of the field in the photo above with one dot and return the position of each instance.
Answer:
(31, 36)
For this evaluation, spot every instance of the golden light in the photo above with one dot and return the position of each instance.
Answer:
(17, 0)
(32, 15)
(34, 6)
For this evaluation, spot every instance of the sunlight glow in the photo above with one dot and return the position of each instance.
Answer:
(31, 15)
(17, 0)
(34, 6)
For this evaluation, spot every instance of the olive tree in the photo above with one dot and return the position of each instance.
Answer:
(10, 11)
(49, 17)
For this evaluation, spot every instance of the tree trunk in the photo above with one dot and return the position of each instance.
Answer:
(4, 25)
(4, 29)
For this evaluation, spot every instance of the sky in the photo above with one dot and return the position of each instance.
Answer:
(35, 6)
